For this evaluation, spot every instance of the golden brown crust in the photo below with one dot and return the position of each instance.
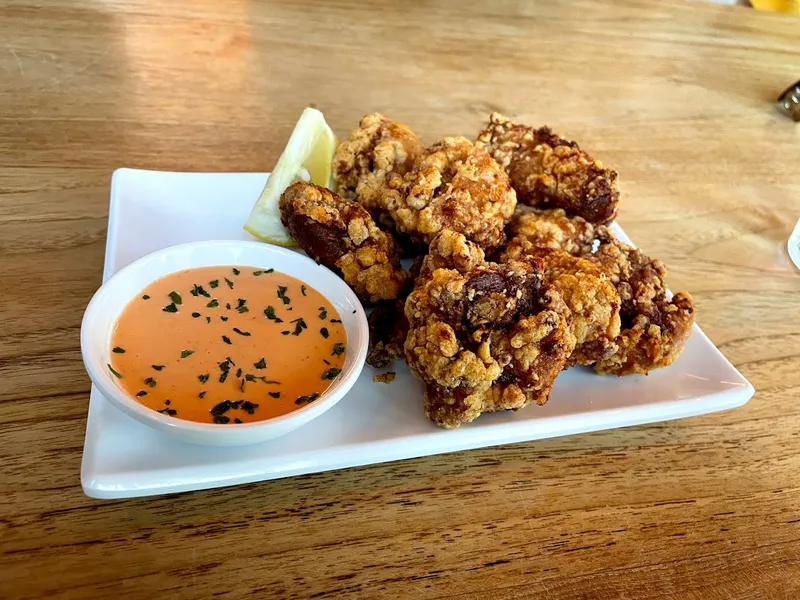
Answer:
(554, 229)
(483, 336)
(386, 378)
(589, 294)
(341, 235)
(652, 339)
(458, 186)
(549, 171)
(371, 163)
(653, 330)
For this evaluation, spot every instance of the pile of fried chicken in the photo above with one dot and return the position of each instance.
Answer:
(516, 276)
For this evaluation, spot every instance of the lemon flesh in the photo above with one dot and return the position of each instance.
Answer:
(307, 157)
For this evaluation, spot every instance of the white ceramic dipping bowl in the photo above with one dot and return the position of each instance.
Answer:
(109, 301)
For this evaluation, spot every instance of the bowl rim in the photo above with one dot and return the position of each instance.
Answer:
(159, 421)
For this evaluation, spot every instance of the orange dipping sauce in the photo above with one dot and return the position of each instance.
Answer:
(227, 345)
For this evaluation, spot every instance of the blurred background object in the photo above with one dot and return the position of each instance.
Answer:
(788, 6)
(789, 101)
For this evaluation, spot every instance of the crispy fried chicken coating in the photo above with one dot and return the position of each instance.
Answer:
(554, 229)
(588, 293)
(483, 336)
(341, 235)
(372, 162)
(548, 171)
(454, 185)
(653, 329)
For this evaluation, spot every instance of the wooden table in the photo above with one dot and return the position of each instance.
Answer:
(676, 96)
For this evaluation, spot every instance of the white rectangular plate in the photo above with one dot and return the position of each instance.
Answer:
(375, 422)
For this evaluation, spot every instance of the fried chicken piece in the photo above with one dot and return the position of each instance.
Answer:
(652, 339)
(341, 235)
(388, 328)
(372, 162)
(483, 336)
(588, 293)
(554, 229)
(654, 328)
(454, 185)
(548, 171)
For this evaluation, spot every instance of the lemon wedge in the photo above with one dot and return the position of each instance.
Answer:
(307, 157)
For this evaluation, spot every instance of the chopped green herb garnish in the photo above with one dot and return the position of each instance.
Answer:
(229, 282)
(326, 362)
(235, 271)
(336, 320)
(195, 314)
(282, 294)
(170, 308)
(228, 305)
(240, 332)
(338, 349)
(269, 271)
(213, 304)
(158, 367)
(237, 421)
(287, 332)
(116, 373)
(167, 402)
(141, 393)
(230, 360)
(203, 378)
(303, 290)
(208, 319)
(257, 273)
(249, 377)
(223, 376)
(307, 399)
(214, 283)
(145, 297)
(300, 324)
(331, 373)
(275, 394)
(240, 306)
(201, 395)
(269, 312)
(176, 297)
(221, 420)
(198, 290)
(150, 381)
(168, 411)
(241, 385)
(324, 333)
(226, 339)
(223, 318)
(323, 314)
(222, 407)
(186, 353)
(238, 373)
(118, 350)
(262, 364)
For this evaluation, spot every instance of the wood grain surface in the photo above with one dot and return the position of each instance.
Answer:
(676, 96)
